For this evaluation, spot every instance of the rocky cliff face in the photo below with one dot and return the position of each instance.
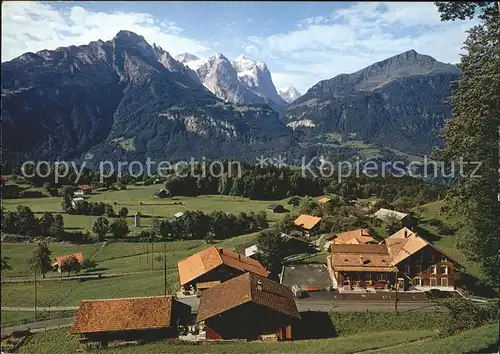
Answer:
(290, 95)
(122, 98)
(397, 103)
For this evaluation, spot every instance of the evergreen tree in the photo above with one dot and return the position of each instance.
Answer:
(472, 134)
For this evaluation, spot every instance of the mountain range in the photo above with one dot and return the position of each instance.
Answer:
(124, 99)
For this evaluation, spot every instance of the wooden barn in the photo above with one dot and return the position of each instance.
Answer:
(248, 307)
(213, 266)
(101, 322)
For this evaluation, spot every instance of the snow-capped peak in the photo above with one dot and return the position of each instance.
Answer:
(186, 57)
(243, 63)
(290, 95)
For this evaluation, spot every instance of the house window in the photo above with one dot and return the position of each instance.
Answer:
(383, 276)
(421, 259)
(433, 270)
(444, 269)
(417, 281)
(444, 281)
(419, 269)
(368, 276)
(433, 282)
(432, 256)
(407, 268)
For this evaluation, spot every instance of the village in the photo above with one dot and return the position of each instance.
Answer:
(225, 295)
(234, 291)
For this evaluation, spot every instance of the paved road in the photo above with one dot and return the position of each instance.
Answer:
(346, 306)
(40, 309)
(41, 325)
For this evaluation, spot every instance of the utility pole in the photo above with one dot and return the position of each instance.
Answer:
(152, 254)
(35, 294)
(396, 300)
(165, 267)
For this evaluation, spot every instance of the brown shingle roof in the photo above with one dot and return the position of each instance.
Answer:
(124, 314)
(353, 257)
(212, 257)
(353, 248)
(307, 221)
(245, 288)
(403, 243)
(359, 236)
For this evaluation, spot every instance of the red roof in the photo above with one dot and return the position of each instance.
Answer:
(78, 256)
(84, 187)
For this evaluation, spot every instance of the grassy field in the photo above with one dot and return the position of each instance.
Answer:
(479, 340)
(113, 258)
(444, 242)
(472, 341)
(14, 318)
(132, 198)
(61, 341)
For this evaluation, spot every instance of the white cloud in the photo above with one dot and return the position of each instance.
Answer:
(355, 37)
(32, 26)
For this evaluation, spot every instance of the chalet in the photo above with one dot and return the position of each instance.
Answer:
(129, 319)
(359, 237)
(405, 256)
(85, 188)
(324, 200)
(213, 266)
(59, 260)
(385, 214)
(422, 265)
(276, 208)
(307, 224)
(248, 307)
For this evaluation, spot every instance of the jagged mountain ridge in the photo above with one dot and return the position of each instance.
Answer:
(290, 95)
(122, 98)
(396, 103)
(242, 80)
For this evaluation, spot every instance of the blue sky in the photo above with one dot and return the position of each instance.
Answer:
(301, 42)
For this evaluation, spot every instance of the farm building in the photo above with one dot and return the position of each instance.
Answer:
(163, 194)
(308, 224)
(213, 266)
(85, 188)
(324, 200)
(248, 307)
(385, 214)
(276, 208)
(416, 263)
(60, 259)
(359, 236)
(129, 319)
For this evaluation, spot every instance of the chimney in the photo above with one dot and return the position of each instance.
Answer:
(406, 233)
(220, 250)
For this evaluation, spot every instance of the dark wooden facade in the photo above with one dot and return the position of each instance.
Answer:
(249, 321)
(429, 268)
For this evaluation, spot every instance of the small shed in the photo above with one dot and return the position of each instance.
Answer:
(179, 214)
(130, 319)
(163, 193)
(60, 259)
(85, 188)
(276, 208)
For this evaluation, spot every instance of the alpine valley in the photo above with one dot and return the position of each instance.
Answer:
(124, 99)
